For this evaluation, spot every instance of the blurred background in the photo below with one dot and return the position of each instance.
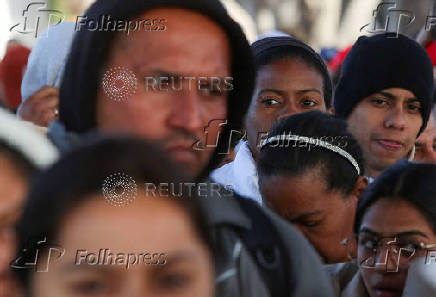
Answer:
(321, 23)
(329, 26)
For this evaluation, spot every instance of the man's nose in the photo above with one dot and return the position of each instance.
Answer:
(395, 119)
(186, 111)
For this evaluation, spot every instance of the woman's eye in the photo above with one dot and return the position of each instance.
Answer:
(409, 246)
(409, 249)
(270, 101)
(309, 103)
(368, 243)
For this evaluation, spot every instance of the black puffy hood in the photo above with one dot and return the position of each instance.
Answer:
(90, 49)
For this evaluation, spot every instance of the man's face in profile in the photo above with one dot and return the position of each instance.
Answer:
(191, 46)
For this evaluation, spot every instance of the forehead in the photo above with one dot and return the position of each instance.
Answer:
(132, 230)
(189, 41)
(395, 216)
(285, 73)
(304, 192)
(396, 93)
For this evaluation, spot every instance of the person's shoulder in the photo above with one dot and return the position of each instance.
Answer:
(221, 206)
(257, 224)
(222, 171)
(355, 288)
(341, 274)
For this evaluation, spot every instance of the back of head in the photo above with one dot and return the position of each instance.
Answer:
(127, 163)
(381, 62)
(412, 182)
(296, 155)
(271, 49)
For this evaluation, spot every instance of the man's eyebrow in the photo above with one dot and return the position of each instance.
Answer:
(173, 258)
(411, 100)
(73, 267)
(169, 74)
(164, 73)
(387, 94)
(393, 97)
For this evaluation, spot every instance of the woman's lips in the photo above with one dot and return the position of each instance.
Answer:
(387, 292)
(391, 145)
(388, 288)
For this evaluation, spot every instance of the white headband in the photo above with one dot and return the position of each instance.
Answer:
(318, 142)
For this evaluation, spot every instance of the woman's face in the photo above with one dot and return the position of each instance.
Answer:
(283, 88)
(401, 228)
(323, 216)
(149, 248)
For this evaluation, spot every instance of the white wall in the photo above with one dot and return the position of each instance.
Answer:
(5, 24)
(11, 13)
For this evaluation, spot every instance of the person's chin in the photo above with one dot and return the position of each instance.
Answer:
(188, 161)
(385, 157)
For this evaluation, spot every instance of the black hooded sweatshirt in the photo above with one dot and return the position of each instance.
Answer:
(90, 49)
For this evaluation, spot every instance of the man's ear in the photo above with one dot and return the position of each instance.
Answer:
(359, 187)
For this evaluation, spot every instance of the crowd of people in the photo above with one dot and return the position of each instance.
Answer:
(327, 189)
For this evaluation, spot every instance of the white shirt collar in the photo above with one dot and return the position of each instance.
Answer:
(241, 174)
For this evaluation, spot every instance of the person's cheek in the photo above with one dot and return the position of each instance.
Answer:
(146, 116)
(366, 275)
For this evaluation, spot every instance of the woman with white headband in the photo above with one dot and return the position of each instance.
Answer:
(311, 173)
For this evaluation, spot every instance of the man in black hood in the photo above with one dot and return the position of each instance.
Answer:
(385, 94)
(163, 70)
(194, 42)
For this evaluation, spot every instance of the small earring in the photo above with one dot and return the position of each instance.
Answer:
(412, 153)
(345, 242)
